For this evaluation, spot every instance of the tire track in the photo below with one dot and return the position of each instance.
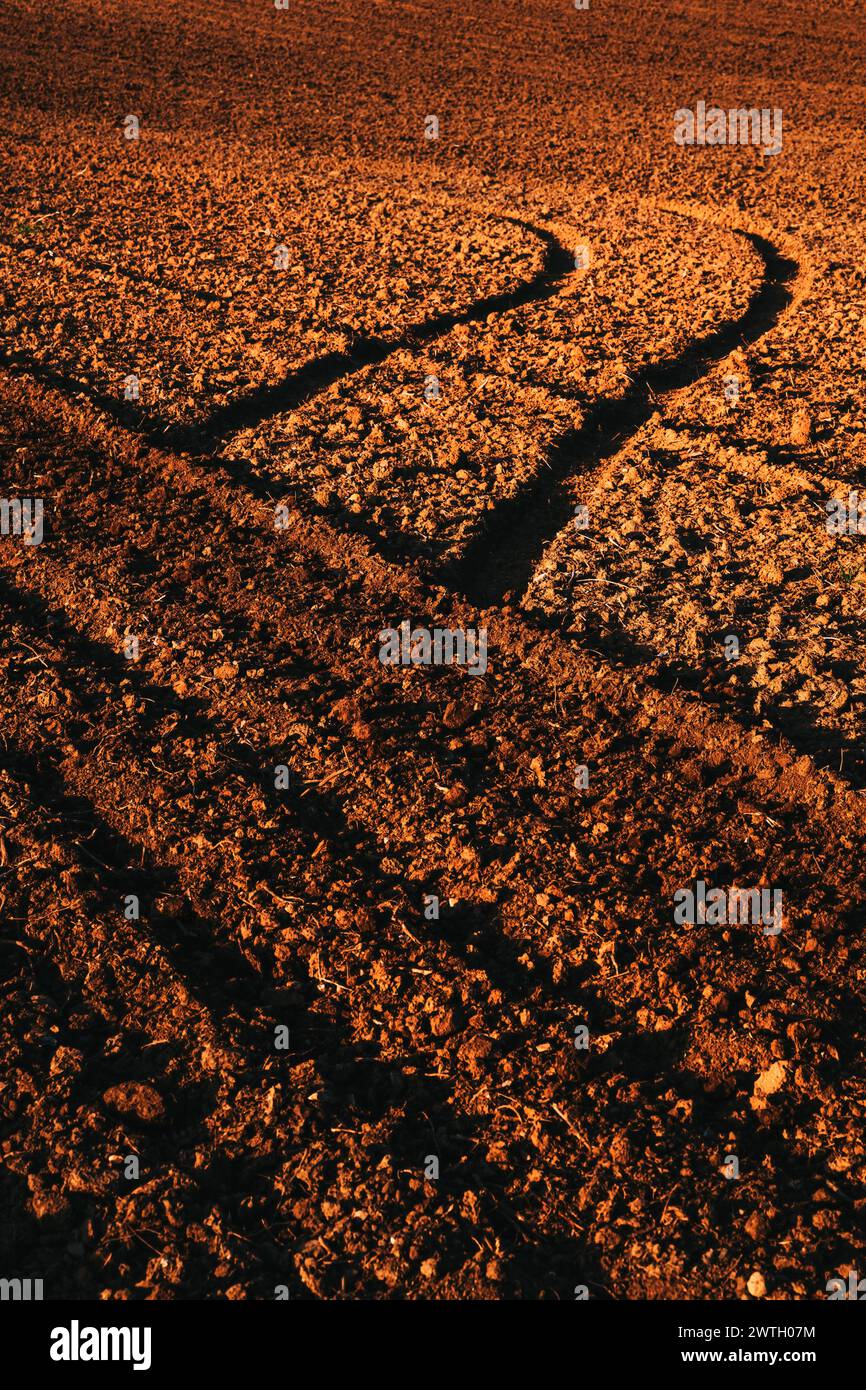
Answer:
(342, 1063)
(786, 779)
(121, 991)
(521, 527)
(503, 556)
(315, 375)
(556, 664)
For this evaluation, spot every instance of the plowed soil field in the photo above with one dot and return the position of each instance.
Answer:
(328, 978)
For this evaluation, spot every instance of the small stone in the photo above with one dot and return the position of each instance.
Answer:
(771, 1080)
(136, 1099)
(757, 1226)
(443, 1023)
(801, 427)
(66, 1061)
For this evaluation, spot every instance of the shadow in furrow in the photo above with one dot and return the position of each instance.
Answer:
(502, 558)
(215, 973)
(317, 375)
(320, 373)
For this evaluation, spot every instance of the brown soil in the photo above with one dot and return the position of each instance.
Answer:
(282, 490)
